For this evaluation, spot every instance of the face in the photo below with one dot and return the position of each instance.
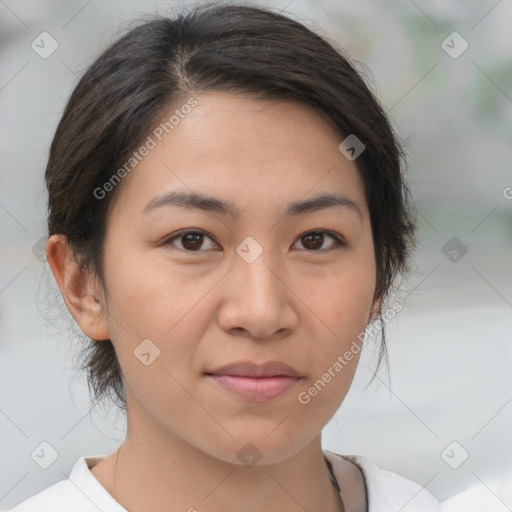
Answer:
(193, 285)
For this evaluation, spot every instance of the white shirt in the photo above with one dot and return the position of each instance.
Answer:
(380, 491)
(385, 491)
(480, 497)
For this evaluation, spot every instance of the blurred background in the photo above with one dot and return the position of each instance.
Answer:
(443, 72)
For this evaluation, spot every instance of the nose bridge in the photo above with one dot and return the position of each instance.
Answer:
(255, 298)
(256, 281)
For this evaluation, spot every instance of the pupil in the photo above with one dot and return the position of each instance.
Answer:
(192, 241)
(318, 237)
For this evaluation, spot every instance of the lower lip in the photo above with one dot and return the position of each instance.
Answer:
(256, 388)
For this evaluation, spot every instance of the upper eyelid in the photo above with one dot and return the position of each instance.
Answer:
(169, 238)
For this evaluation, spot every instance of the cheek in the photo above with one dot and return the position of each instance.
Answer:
(148, 302)
(342, 300)
(157, 320)
(146, 294)
(339, 310)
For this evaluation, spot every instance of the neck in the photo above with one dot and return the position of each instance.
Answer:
(178, 477)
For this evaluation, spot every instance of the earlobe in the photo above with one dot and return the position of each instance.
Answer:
(81, 289)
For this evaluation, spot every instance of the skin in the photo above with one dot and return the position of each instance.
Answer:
(209, 307)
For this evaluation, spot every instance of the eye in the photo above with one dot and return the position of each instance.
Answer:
(193, 241)
(314, 240)
(189, 241)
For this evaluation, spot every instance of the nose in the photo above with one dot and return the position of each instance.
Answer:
(258, 301)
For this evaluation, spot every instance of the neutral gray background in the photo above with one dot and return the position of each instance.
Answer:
(451, 351)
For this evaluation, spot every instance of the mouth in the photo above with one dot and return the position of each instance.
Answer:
(258, 383)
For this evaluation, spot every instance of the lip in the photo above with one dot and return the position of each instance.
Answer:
(254, 382)
(250, 369)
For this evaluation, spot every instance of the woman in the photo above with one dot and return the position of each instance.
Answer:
(227, 213)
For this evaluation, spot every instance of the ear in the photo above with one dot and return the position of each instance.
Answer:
(81, 289)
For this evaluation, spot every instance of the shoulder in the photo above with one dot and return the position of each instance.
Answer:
(81, 492)
(388, 491)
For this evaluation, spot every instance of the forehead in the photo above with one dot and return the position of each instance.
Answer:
(233, 146)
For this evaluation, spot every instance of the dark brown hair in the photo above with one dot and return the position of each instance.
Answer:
(241, 49)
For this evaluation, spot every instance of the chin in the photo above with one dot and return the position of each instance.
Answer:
(257, 450)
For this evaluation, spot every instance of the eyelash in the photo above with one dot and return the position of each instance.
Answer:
(338, 240)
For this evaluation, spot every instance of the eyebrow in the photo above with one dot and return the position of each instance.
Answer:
(207, 203)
